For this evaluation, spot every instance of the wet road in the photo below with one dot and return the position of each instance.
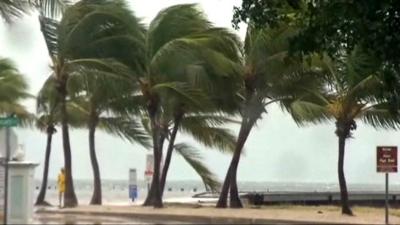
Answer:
(88, 219)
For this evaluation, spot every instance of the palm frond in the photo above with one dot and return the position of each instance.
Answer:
(12, 9)
(186, 19)
(209, 136)
(380, 116)
(185, 93)
(49, 31)
(193, 157)
(125, 128)
(304, 111)
(13, 89)
(52, 8)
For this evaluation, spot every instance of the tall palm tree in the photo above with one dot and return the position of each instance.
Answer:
(46, 121)
(100, 99)
(73, 44)
(270, 76)
(354, 84)
(216, 65)
(179, 42)
(48, 117)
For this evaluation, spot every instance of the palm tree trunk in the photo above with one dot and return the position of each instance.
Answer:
(70, 199)
(234, 193)
(169, 154)
(230, 182)
(97, 196)
(161, 141)
(342, 181)
(42, 194)
(223, 196)
(154, 196)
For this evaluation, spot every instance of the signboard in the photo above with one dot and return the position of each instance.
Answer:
(9, 121)
(133, 190)
(148, 172)
(386, 159)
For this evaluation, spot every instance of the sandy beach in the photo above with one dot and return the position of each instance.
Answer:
(266, 214)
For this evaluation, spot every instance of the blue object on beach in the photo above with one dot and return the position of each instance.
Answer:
(133, 192)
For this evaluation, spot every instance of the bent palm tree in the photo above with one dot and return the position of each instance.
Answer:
(270, 76)
(100, 99)
(354, 84)
(73, 44)
(46, 121)
(182, 46)
(48, 111)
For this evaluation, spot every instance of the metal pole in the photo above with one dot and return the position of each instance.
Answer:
(386, 198)
(6, 173)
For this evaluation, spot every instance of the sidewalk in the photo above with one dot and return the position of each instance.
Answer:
(286, 214)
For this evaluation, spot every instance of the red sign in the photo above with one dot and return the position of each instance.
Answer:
(386, 159)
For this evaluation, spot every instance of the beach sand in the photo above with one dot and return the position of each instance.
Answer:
(193, 213)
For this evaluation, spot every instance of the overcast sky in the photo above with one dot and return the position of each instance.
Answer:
(277, 149)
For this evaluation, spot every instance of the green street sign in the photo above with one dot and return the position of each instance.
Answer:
(9, 121)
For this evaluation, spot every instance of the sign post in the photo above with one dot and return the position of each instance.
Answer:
(148, 172)
(386, 162)
(7, 122)
(133, 188)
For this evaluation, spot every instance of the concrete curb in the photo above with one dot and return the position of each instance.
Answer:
(181, 218)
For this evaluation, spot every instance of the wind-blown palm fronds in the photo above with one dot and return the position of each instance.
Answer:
(193, 157)
(269, 76)
(354, 82)
(75, 47)
(13, 89)
(12, 9)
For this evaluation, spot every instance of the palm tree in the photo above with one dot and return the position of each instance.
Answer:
(354, 84)
(48, 117)
(180, 42)
(214, 66)
(270, 76)
(46, 121)
(100, 99)
(73, 44)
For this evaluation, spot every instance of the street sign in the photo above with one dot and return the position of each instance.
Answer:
(386, 162)
(9, 121)
(386, 159)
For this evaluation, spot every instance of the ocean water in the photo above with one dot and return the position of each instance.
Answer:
(115, 192)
